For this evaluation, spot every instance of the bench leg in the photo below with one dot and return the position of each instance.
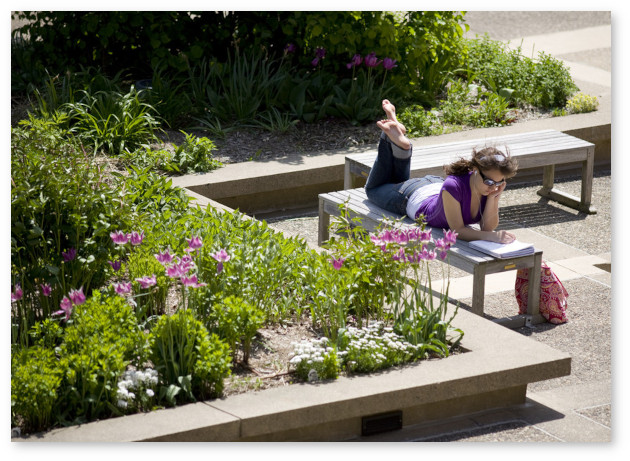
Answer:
(584, 203)
(348, 182)
(587, 182)
(324, 223)
(479, 289)
(533, 290)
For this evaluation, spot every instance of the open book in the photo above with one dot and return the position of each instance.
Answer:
(503, 250)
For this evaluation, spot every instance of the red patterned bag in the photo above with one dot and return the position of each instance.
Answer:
(553, 295)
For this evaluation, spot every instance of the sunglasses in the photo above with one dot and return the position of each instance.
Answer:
(490, 182)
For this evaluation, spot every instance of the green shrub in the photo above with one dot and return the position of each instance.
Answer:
(112, 120)
(35, 378)
(543, 82)
(420, 122)
(191, 363)
(193, 155)
(236, 322)
(101, 339)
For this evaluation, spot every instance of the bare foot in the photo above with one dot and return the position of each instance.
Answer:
(390, 111)
(394, 132)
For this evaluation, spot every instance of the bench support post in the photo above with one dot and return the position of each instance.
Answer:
(584, 203)
(479, 289)
(324, 222)
(533, 289)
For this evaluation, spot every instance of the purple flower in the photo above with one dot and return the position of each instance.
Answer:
(371, 60)
(164, 258)
(66, 308)
(221, 255)
(115, 265)
(399, 255)
(69, 255)
(356, 61)
(77, 297)
(320, 52)
(17, 293)
(389, 63)
(46, 289)
(195, 243)
(425, 236)
(146, 281)
(122, 288)
(290, 48)
(314, 62)
(177, 270)
(450, 236)
(192, 282)
(135, 238)
(337, 263)
(119, 237)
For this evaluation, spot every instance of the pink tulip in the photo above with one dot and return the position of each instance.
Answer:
(195, 243)
(77, 297)
(146, 281)
(337, 263)
(192, 282)
(389, 63)
(17, 294)
(164, 258)
(46, 289)
(122, 288)
(136, 238)
(66, 308)
(119, 237)
(69, 255)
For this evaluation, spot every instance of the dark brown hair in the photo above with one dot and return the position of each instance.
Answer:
(488, 158)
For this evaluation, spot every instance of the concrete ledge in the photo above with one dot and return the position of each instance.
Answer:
(260, 187)
(493, 373)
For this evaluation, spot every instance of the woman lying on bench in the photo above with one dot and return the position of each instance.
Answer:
(469, 194)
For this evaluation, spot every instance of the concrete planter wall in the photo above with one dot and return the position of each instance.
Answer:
(493, 373)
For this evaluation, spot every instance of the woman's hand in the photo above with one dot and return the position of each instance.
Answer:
(497, 193)
(504, 236)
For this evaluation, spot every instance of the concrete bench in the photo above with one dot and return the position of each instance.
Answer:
(536, 149)
(461, 255)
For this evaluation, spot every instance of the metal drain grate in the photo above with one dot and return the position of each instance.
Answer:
(383, 422)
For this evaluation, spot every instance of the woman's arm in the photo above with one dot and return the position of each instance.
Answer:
(453, 213)
(490, 216)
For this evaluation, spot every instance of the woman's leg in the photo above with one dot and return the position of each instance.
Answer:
(391, 168)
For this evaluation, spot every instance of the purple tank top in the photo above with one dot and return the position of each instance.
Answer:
(459, 187)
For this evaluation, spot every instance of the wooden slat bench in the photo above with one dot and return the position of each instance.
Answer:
(536, 149)
(461, 255)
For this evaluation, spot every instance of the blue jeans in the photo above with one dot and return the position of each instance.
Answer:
(388, 184)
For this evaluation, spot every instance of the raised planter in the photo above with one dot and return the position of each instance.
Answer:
(493, 373)
(262, 187)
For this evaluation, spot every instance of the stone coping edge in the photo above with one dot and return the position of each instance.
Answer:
(498, 361)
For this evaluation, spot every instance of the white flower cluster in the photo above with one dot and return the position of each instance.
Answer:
(136, 380)
(375, 340)
(310, 352)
